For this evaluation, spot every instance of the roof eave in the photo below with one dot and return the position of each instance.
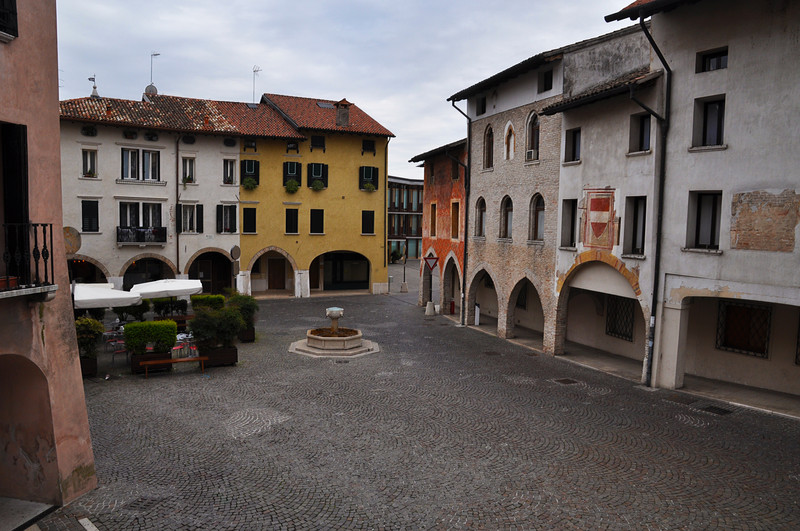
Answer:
(599, 96)
(644, 11)
(438, 151)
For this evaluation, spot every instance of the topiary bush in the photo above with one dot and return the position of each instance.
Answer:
(88, 331)
(160, 334)
(292, 186)
(317, 185)
(249, 183)
(247, 307)
(215, 302)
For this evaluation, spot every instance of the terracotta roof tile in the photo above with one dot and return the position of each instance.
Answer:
(311, 113)
(181, 114)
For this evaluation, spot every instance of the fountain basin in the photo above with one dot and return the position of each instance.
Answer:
(347, 339)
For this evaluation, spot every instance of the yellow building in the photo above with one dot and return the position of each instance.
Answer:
(313, 210)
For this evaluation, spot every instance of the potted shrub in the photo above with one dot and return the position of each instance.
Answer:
(215, 302)
(369, 187)
(317, 185)
(247, 307)
(159, 335)
(292, 186)
(249, 183)
(138, 311)
(88, 331)
(214, 332)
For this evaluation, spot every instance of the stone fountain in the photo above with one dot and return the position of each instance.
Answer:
(335, 341)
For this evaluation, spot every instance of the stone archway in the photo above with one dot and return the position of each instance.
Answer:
(213, 267)
(86, 268)
(450, 298)
(273, 270)
(482, 291)
(525, 315)
(146, 267)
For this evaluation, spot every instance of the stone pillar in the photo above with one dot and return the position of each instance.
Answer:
(669, 359)
(116, 281)
(505, 329)
(302, 285)
(243, 283)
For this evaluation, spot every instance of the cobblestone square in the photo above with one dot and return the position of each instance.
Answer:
(445, 428)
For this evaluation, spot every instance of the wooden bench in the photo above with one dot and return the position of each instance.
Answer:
(201, 359)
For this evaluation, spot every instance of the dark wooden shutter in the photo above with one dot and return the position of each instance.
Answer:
(122, 221)
(310, 172)
(219, 218)
(90, 216)
(249, 220)
(179, 219)
(199, 218)
(325, 174)
(361, 177)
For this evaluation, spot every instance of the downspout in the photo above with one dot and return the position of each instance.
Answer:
(177, 204)
(386, 206)
(662, 165)
(463, 319)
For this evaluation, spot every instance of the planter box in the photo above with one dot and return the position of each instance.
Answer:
(88, 367)
(219, 356)
(8, 283)
(248, 335)
(138, 369)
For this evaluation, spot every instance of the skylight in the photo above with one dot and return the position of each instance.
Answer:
(324, 105)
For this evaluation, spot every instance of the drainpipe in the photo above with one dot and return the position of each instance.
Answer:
(662, 165)
(386, 206)
(463, 320)
(177, 204)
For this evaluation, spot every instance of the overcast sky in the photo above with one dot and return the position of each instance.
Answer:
(397, 60)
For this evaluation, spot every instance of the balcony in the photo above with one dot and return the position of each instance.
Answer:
(141, 236)
(27, 261)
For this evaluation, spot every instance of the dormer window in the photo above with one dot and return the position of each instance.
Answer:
(318, 142)
(292, 145)
(368, 146)
(249, 143)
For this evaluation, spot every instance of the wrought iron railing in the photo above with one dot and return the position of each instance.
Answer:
(27, 256)
(141, 235)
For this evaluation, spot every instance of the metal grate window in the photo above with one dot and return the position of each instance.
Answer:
(744, 328)
(620, 317)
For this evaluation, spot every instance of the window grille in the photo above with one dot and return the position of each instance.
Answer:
(744, 328)
(620, 317)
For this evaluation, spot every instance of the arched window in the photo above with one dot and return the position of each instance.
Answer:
(510, 143)
(532, 149)
(480, 218)
(536, 224)
(488, 148)
(506, 217)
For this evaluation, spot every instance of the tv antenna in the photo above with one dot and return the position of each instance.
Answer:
(152, 54)
(256, 70)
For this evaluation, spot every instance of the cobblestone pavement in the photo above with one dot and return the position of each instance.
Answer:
(445, 428)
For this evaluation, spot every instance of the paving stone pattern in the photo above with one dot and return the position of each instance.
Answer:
(445, 428)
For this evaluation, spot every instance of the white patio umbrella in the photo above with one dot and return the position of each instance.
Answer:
(170, 287)
(85, 296)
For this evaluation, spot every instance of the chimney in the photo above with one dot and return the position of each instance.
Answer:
(343, 113)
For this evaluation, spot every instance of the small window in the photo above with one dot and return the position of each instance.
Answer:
(190, 218)
(150, 165)
(572, 151)
(317, 172)
(130, 164)
(744, 328)
(506, 218)
(455, 220)
(187, 165)
(510, 144)
(292, 145)
(229, 171)
(226, 219)
(480, 218)
(368, 146)
(569, 222)
(249, 220)
(635, 214)
(480, 106)
(532, 147)
(89, 168)
(536, 223)
(318, 142)
(704, 211)
(640, 133)
(367, 175)
(545, 81)
(709, 121)
(317, 221)
(367, 222)
(8, 20)
(292, 171)
(488, 149)
(712, 60)
(249, 144)
(620, 317)
(90, 221)
(291, 221)
(433, 220)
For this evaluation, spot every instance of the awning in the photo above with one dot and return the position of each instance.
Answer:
(87, 296)
(169, 287)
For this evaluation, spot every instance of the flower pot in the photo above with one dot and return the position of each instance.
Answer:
(8, 283)
(218, 356)
(88, 367)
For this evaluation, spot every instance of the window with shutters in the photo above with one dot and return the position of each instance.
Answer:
(249, 170)
(190, 219)
(226, 219)
(317, 172)
(90, 221)
(367, 174)
(8, 20)
(317, 221)
(89, 166)
(229, 171)
(249, 220)
(367, 222)
(292, 171)
(318, 142)
(291, 221)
